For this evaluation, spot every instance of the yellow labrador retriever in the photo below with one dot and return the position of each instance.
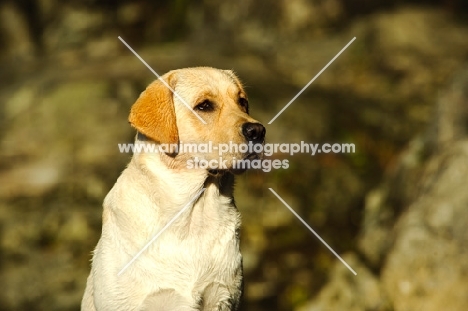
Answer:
(195, 262)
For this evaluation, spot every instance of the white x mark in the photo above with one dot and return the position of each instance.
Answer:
(310, 82)
(196, 196)
(161, 79)
(312, 230)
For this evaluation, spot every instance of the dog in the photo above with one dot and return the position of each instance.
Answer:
(188, 214)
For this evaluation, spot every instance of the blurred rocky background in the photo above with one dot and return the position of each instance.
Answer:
(396, 210)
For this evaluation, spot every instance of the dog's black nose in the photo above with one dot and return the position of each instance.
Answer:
(254, 132)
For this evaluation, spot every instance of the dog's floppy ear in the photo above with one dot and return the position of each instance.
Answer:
(153, 113)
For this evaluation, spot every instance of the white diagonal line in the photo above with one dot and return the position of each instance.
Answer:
(161, 231)
(159, 77)
(312, 230)
(310, 82)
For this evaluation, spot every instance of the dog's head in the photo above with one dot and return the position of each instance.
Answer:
(205, 113)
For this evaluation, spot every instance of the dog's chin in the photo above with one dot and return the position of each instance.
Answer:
(253, 156)
(217, 173)
(236, 170)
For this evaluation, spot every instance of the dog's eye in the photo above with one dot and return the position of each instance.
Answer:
(205, 105)
(244, 103)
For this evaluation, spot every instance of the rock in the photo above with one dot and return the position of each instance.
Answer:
(384, 204)
(413, 239)
(427, 268)
(452, 112)
(345, 291)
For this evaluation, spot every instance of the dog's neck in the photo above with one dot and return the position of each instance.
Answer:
(182, 183)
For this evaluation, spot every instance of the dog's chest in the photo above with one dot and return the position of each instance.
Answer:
(200, 247)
